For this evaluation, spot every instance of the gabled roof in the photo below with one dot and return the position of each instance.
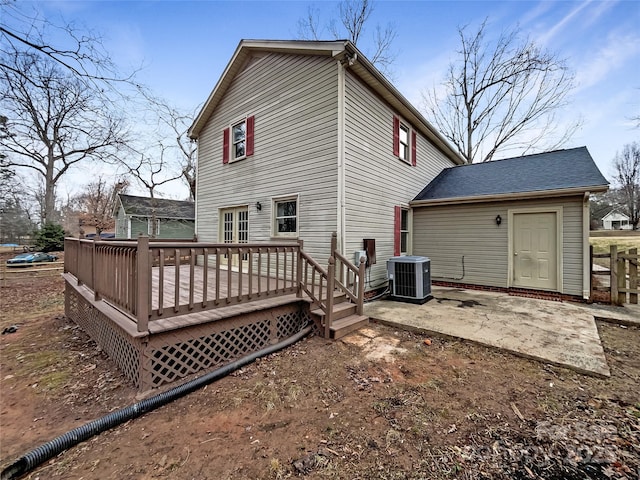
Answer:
(615, 214)
(164, 208)
(338, 49)
(561, 172)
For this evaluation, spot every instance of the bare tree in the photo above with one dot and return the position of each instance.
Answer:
(627, 176)
(152, 170)
(501, 96)
(54, 121)
(354, 18)
(94, 204)
(174, 123)
(80, 52)
(16, 221)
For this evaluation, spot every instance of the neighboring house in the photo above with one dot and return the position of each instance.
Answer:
(514, 223)
(299, 139)
(135, 215)
(616, 221)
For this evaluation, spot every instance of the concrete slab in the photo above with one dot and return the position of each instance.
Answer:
(559, 333)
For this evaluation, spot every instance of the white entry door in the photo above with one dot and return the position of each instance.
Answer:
(234, 228)
(535, 250)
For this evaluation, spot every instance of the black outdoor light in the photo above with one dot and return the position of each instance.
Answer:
(258, 206)
(498, 220)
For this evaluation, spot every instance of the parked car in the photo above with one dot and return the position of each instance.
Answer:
(25, 259)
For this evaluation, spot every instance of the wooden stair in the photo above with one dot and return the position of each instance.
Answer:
(344, 319)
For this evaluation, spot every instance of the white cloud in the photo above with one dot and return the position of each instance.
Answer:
(545, 38)
(616, 53)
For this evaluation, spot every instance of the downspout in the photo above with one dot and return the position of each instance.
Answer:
(586, 255)
(341, 221)
(195, 196)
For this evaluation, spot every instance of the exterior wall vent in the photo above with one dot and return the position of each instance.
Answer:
(410, 278)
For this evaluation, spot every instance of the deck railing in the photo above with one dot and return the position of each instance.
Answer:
(152, 280)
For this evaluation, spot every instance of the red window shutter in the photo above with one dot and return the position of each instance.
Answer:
(251, 121)
(225, 145)
(413, 148)
(396, 136)
(397, 218)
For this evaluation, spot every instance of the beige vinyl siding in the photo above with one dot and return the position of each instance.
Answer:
(294, 100)
(376, 180)
(446, 233)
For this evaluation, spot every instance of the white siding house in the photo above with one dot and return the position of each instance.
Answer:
(616, 221)
(302, 139)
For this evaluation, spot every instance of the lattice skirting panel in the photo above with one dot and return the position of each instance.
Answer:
(161, 358)
(122, 349)
(173, 355)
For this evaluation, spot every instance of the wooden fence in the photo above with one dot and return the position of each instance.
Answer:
(30, 270)
(624, 286)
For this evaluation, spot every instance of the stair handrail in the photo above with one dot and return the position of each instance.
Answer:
(308, 285)
(356, 295)
(357, 298)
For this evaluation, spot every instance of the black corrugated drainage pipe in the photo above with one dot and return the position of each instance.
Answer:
(44, 452)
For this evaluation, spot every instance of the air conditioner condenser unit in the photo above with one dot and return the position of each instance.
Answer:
(410, 278)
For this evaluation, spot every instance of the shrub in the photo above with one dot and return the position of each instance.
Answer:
(50, 238)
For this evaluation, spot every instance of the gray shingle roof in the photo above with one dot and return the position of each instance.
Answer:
(164, 208)
(558, 170)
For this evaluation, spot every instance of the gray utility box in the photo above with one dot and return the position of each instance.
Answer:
(410, 278)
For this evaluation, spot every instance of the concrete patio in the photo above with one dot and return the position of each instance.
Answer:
(559, 333)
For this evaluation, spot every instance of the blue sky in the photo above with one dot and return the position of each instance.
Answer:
(184, 47)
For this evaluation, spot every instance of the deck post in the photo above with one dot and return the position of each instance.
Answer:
(94, 271)
(361, 271)
(633, 275)
(331, 274)
(590, 271)
(299, 269)
(143, 286)
(334, 242)
(622, 279)
(613, 268)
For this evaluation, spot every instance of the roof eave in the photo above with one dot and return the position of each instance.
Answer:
(563, 192)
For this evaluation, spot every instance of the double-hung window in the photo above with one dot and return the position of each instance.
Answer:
(285, 217)
(237, 140)
(404, 142)
(402, 231)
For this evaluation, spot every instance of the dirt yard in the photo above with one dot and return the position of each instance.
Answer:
(321, 409)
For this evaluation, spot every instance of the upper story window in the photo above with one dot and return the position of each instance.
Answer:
(404, 142)
(285, 217)
(237, 140)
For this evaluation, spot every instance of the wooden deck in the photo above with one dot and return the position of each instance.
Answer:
(222, 286)
(165, 310)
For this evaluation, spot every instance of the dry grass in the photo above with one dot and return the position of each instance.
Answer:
(602, 244)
